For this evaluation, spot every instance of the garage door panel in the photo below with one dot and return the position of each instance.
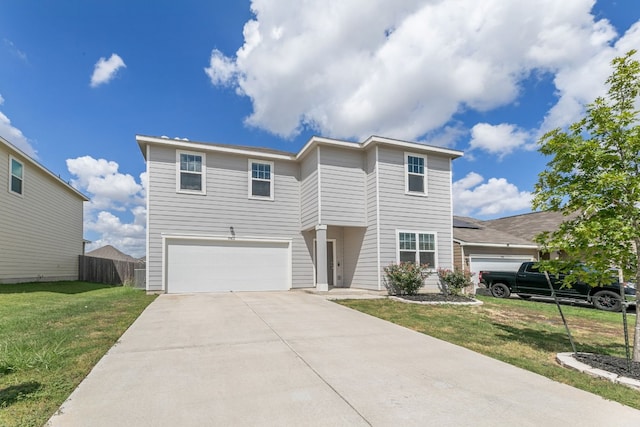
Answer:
(494, 263)
(218, 266)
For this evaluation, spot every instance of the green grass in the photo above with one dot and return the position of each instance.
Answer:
(527, 334)
(51, 336)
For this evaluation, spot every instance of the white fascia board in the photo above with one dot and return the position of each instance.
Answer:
(313, 141)
(454, 154)
(317, 140)
(199, 146)
(25, 157)
(496, 245)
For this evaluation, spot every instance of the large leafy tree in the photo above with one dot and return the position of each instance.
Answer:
(593, 177)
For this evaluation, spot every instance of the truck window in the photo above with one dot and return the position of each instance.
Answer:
(531, 268)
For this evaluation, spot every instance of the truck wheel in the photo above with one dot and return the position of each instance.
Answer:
(500, 290)
(607, 300)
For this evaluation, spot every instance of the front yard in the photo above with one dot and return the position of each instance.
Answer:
(523, 333)
(51, 336)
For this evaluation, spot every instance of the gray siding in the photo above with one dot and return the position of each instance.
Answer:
(342, 186)
(400, 211)
(40, 232)
(309, 190)
(362, 200)
(361, 247)
(225, 205)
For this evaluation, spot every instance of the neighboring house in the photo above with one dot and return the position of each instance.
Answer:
(109, 252)
(40, 221)
(500, 244)
(529, 225)
(224, 217)
(477, 247)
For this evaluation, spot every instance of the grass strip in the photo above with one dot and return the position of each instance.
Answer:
(527, 334)
(51, 336)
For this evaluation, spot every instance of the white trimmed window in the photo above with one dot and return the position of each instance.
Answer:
(16, 176)
(190, 172)
(417, 247)
(260, 179)
(415, 174)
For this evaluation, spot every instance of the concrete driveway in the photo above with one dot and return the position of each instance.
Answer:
(296, 359)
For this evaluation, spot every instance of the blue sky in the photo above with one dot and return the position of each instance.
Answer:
(80, 78)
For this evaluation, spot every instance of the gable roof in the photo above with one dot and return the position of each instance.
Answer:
(144, 141)
(471, 231)
(27, 159)
(517, 230)
(529, 225)
(109, 252)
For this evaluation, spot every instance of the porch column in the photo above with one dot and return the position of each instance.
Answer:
(322, 283)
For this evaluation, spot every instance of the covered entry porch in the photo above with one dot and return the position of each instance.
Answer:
(338, 254)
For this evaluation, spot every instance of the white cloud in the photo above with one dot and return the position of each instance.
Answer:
(499, 139)
(15, 135)
(580, 82)
(113, 195)
(106, 69)
(109, 189)
(221, 70)
(129, 238)
(404, 69)
(472, 196)
(446, 136)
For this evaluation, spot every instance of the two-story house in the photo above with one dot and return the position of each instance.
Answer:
(40, 221)
(225, 217)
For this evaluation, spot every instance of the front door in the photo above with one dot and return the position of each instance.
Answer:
(330, 262)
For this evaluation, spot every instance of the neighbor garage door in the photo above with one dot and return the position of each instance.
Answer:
(495, 263)
(227, 265)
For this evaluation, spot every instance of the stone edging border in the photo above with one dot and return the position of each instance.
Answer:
(434, 302)
(567, 360)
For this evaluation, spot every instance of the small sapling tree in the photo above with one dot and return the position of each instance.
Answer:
(593, 177)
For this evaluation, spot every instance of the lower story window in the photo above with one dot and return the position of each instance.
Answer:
(417, 248)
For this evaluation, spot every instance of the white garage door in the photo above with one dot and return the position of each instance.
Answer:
(495, 263)
(227, 265)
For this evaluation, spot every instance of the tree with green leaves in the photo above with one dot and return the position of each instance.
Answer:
(593, 178)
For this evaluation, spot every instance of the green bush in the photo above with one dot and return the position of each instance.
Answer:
(454, 282)
(405, 278)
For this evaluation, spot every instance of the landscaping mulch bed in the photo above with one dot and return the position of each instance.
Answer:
(435, 297)
(616, 365)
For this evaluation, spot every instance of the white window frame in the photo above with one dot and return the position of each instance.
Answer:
(11, 160)
(407, 173)
(417, 250)
(202, 173)
(250, 179)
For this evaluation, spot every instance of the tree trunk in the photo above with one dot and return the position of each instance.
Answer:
(636, 334)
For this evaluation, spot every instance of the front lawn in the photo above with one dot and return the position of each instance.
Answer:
(523, 333)
(51, 336)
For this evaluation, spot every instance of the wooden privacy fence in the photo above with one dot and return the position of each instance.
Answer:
(108, 271)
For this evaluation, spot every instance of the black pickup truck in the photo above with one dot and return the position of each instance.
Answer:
(529, 281)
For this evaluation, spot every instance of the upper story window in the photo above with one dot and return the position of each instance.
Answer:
(191, 172)
(415, 176)
(417, 247)
(16, 176)
(260, 179)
